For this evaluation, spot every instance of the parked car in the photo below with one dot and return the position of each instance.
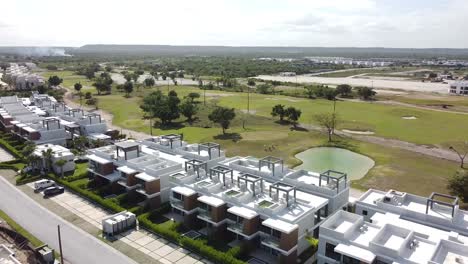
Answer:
(42, 184)
(53, 191)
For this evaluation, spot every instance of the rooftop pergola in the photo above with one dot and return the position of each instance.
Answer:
(72, 112)
(335, 176)
(222, 170)
(208, 146)
(253, 179)
(127, 146)
(283, 187)
(91, 115)
(172, 138)
(72, 128)
(271, 161)
(432, 200)
(56, 105)
(46, 122)
(196, 165)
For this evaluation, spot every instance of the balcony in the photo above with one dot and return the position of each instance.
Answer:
(177, 203)
(270, 241)
(123, 182)
(236, 227)
(204, 214)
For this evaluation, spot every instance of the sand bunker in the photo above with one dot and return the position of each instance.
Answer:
(287, 99)
(409, 117)
(358, 132)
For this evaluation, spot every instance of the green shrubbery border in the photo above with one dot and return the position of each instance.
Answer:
(198, 246)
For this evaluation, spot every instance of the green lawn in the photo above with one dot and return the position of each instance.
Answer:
(70, 78)
(34, 241)
(430, 127)
(262, 136)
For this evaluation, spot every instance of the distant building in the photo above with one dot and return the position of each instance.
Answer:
(459, 88)
(20, 78)
(287, 74)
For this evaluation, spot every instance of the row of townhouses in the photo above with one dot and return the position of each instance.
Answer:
(43, 120)
(271, 209)
(20, 77)
(258, 203)
(396, 227)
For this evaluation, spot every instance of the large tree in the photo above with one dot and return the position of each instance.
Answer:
(279, 110)
(293, 115)
(365, 93)
(149, 82)
(188, 109)
(458, 185)
(55, 80)
(128, 87)
(193, 96)
(344, 90)
(78, 87)
(223, 116)
(328, 121)
(158, 105)
(103, 83)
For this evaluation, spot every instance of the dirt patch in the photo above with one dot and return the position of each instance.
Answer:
(253, 112)
(356, 132)
(409, 117)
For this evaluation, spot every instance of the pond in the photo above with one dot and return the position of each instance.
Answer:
(343, 160)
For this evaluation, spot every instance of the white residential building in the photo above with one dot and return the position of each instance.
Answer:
(58, 153)
(259, 203)
(459, 88)
(396, 227)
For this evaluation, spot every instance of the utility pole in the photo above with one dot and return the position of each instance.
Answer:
(204, 96)
(60, 244)
(248, 100)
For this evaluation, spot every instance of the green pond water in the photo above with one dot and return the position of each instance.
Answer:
(342, 160)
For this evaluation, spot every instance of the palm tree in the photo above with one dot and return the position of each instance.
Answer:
(60, 163)
(33, 160)
(47, 156)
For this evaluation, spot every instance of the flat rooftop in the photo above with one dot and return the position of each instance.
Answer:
(388, 235)
(413, 207)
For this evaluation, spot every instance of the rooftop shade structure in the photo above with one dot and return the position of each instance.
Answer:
(249, 178)
(432, 200)
(127, 146)
(209, 146)
(196, 165)
(270, 162)
(283, 187)
(222, 170)
(172, 138)
(335, 176)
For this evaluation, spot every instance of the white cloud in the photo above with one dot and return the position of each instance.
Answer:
(235, 22)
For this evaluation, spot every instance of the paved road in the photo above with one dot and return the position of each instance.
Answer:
(79, 247)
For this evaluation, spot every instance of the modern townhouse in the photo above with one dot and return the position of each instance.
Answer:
(257, 203)
(244, 201)
(19, 120)
(396, 227)
(438, 210)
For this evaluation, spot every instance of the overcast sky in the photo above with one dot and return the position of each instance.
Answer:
(329, 23)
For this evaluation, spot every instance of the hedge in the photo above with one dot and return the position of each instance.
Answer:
(23, 179)
(197, 246)
(12, 150)
(90, 195)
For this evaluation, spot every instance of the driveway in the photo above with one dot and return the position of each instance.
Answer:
(78, 246)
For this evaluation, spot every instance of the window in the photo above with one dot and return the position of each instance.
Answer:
(177, 196)
(330, 252)
(364, 212)
(276, 233)
(349, 260)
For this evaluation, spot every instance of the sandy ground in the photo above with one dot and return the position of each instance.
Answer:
(360, 81)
